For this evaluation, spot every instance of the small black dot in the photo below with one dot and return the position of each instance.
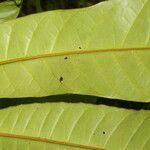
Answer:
(66, 58)
(103, 132)
(79, 47)
(61, 79)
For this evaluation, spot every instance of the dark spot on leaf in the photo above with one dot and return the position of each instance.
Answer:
(103, 132)
(61, 79)
(66, 58)
(79, 47)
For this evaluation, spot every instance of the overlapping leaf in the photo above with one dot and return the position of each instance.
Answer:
(111, 24)
(47, 126)
(8, 10)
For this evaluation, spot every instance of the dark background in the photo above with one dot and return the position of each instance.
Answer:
(35, 6)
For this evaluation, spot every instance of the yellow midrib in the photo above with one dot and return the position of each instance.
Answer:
(38, 139)
(27, 58)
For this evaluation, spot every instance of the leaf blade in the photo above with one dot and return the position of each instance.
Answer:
(111, 74)
(103, 124)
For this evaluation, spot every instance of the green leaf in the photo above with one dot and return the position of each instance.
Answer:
(37, 126)
(8, 11)
(60, 52)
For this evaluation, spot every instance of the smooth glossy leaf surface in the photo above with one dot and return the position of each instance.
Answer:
(8, 10)
(32, 126)
(117, 73)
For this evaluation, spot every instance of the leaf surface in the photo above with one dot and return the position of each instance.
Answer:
(64, 44)
(8, 11)
(74, 126)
